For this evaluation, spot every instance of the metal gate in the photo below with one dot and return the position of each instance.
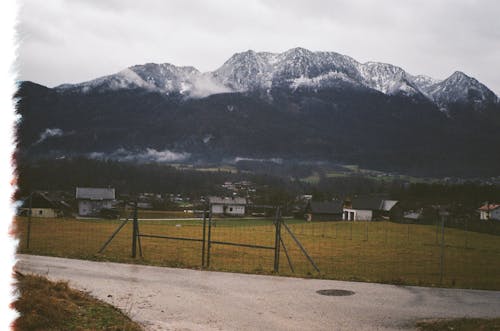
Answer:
(272, 237)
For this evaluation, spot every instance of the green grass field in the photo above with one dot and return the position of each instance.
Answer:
(375, 251)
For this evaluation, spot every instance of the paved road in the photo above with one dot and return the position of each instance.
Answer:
(181, 299)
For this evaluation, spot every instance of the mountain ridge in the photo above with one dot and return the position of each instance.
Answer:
(298, 67)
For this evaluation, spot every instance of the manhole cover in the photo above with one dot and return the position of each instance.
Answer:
(335, 293)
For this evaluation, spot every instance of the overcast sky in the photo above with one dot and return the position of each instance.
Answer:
(68, 41)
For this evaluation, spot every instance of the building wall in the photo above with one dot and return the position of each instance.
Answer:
(217, 209)
(91, 207)
(42, 212)
(483, 215)
(490, 215)
(234, 210)
(325, 217)
(357, 215)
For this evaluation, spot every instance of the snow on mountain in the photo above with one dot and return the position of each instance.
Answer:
(246, 71)
(387, 78)
(460, 88)
(423, 82)
(124, 79)
(165, 78)
(297, 67)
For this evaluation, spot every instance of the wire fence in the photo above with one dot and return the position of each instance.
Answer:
(387, 252)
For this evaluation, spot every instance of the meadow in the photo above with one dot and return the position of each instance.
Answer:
(385, 252)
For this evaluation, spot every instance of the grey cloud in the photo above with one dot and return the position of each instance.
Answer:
(147, 155)
(55, 132)
(73, 41)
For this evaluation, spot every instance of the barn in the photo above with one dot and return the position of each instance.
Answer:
(368, 209)
(323, 211)
(92, 200)
(41, 206)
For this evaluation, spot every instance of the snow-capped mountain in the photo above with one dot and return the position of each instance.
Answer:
(460, 88)
(295, 68)
(388, 79)
(165, 78)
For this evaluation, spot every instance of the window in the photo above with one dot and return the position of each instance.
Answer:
(40, 212)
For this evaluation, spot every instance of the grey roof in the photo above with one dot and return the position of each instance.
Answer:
(227, 201)
(373, 203)
(39, 200)
(93, 193)
(326, 207)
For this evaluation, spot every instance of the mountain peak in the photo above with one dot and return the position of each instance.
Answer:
(459, 87)
(299, 51)
(459, 76)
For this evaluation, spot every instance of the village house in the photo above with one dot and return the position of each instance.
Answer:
(227, 206)
(91, 201)
(323, 211)
(41, 206)
(368, 209)
(489, 211)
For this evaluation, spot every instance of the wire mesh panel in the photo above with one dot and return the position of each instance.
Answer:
(245, 245)
(452, 254)
(172, 243)
(70, 237)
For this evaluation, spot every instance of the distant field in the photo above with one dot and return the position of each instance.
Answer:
(163, 214)
(376, 251)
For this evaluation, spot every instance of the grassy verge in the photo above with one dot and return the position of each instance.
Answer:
(462, 324)
(46, 305)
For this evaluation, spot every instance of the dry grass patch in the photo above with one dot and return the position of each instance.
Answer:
(461, 324)
(46, 305)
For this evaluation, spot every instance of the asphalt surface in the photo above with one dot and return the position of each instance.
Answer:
(182, 299)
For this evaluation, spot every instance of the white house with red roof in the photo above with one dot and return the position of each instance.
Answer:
(490, 211)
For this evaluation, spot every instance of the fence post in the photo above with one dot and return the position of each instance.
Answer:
(386, 230)
(134, 232)
(437, 231)
(443, 219)
(466, 237)
(408, 231)
(366, 231)
(203, 242)
(209, 235)
(28, 234)
(277, 240)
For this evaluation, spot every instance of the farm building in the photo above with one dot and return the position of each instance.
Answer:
(323, 211)
(41, 206)
(490, 211)
(227, 206)
(368, 209)
(92, 200)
